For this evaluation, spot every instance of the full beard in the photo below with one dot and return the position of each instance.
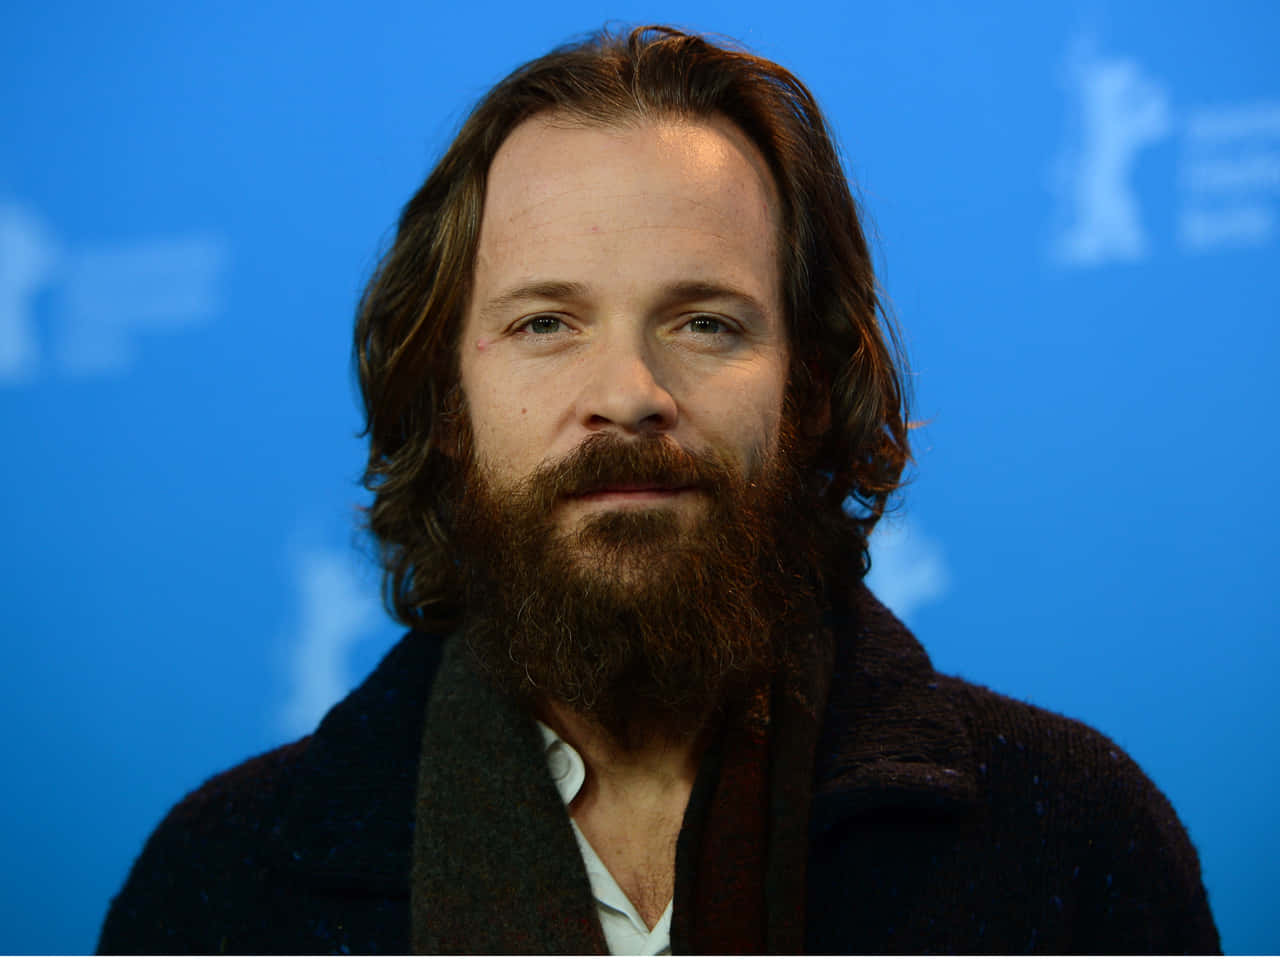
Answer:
(640, 621)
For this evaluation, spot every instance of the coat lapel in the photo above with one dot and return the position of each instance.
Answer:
(496, 868)
(891, 738)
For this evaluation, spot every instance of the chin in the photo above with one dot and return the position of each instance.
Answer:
(640, 519)
(631, 531)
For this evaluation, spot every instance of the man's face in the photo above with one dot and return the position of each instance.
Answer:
(626, 287)
(630, 485)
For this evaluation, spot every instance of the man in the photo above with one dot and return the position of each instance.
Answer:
(633, 412)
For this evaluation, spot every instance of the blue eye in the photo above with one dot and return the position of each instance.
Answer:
(542, 324)
(709, 326)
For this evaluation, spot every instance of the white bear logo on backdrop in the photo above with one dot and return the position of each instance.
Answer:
(337, 607)
(1228, 166)
(1121, 112)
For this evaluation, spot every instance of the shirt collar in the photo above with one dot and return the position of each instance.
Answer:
(568, 772)
(624, 930)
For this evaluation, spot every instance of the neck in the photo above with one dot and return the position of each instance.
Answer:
(653, 765)
(632, 803)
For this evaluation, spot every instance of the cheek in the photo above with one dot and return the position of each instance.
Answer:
(506, 432)
(487, 408)
(496, 441)
(746, 423)
(484, 419)
(769, 413)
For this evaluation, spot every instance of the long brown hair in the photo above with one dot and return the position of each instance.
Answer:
(847, 363)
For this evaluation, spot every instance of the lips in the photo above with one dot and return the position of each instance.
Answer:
(630, 490)
(636, 488)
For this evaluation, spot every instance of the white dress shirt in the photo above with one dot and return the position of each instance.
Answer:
(624, 931)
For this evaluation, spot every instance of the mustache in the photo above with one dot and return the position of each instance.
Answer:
(605, 461)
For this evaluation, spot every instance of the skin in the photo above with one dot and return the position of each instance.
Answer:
(626, 281)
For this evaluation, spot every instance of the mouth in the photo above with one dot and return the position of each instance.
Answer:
(632, 493)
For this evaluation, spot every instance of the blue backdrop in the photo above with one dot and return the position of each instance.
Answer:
(1076, 215)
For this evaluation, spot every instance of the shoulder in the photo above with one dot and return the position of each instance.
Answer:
(1075, 794)
(1055, 838)
(1008, 735)
(1024, 751)
(277, 833)
(204, 867)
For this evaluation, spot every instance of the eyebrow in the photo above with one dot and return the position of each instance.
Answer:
(538, 290)
(684, 291)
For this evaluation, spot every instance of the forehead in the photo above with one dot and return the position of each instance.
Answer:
(663, 194)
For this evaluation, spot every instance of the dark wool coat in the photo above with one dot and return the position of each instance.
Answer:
(945, 818)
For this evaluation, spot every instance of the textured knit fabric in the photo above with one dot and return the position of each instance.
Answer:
(749, 825)
(943, 818)
(491, 829)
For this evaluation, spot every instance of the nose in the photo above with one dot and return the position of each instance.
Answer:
(624, 391)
